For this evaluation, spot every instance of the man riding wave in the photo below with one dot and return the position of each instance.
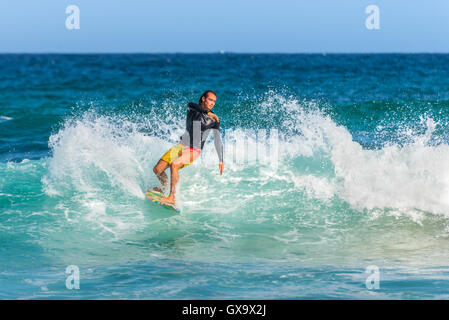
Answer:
(200, 121)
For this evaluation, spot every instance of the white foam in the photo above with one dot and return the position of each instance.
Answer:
(88, 156)
(315, 187)
(98, 166)
(98, 155)
(410, 178)
(5, 118)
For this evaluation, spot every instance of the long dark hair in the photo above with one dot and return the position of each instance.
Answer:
(205, 95)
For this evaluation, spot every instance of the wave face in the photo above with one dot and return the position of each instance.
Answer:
(325, 174)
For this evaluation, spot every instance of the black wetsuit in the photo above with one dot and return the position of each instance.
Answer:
(198, 127)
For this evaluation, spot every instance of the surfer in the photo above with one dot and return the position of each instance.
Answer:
(200, 121)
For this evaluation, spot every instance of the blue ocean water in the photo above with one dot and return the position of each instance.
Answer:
(360, 178)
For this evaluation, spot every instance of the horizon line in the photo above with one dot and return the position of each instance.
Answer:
(223, 52)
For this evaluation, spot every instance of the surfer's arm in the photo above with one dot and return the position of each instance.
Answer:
(218, 147)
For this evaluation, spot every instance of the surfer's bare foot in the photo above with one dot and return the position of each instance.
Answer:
(168, 200)
(156, 189)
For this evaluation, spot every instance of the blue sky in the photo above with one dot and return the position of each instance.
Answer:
(229, 25)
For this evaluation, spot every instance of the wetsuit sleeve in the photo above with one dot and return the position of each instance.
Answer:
(196, 107)
(218, 143)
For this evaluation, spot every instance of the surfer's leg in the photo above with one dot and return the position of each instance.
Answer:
(187, 157)
(159, 169)
(165, 161)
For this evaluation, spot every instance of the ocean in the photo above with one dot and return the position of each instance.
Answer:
(335, 182)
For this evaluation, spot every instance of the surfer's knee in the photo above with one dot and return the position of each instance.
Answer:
(175, 165)
(157, 170)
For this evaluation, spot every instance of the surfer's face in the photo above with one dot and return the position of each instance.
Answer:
(209, 102)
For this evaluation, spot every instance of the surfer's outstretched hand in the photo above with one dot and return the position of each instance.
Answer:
(221, 167)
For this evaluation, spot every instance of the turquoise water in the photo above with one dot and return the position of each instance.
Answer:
(333, 163)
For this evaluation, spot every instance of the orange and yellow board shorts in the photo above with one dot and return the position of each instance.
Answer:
(175, 152)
